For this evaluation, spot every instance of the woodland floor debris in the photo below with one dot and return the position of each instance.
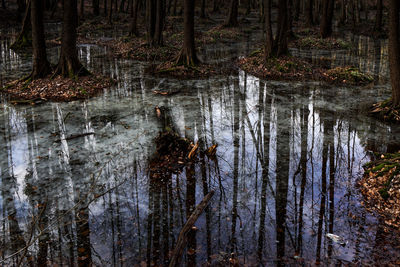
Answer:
(380, 187)
(55, 89)
(386, 111)
(293, 68)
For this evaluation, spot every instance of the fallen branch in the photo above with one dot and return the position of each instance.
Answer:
(182, 238)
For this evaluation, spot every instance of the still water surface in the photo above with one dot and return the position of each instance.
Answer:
(76, 190)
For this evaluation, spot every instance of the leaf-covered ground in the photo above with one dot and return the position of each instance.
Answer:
(380, 187)
(293, 68)
(55, 89)
(386, 111)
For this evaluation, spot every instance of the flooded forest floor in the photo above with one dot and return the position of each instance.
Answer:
(111, 178)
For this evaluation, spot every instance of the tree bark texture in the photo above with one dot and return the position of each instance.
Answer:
(188, 56)
(394, 50)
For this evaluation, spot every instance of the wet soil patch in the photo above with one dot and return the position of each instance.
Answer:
(380, 187)
(55, 89)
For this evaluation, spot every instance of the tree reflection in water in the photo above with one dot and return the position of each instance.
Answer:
(284, 175)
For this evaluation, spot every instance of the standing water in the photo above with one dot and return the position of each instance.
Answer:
(75, 185)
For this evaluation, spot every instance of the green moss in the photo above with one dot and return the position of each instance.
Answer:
(384, 193)
(350, 75)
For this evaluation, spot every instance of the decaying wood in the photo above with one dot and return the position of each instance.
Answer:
(182, 238)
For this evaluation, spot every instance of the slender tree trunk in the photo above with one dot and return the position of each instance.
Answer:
(96, 9)
(394, 50)
(160, 19)
(82, 9)
(110, 12)
(105, 7)
(21, 7)
(282, 34)
(215, 6)
(378, 19)
(41, 67)
(122, 6)
(326, 20)
(68, 64)
(3, 4)
(188, 55)
(343, 12)
(24, 37)
(296, 9)
(232, 20)
(309, 12)
(269, 42)
(155, 15)
(357, 11)
(203, 9)
(133, 26)
(289, 16)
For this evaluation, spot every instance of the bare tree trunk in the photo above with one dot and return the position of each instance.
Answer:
(232, 15)
(326, 20)
(378, 19)
(282, 34)
(68, 64)
(82, 9)
(96, 10)
(309, 12)
(110, 12)
(343, 12)
(41, 66)
(188, 56)
(133, 26)
(269, 41)
(203, 9)
(24, 38)
(394, 50)
(155, 15)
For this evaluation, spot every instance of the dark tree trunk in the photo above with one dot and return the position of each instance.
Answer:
(82, 9)
(41, 67)
(394, 50)
(278, 46)
(155, 15)
(187, 56)
(378, 20)
(289, 16)
(232, 20)
(122, 6)
(3, 4)
(133, 27)
(21, 7)
(269, 42)
(68, 64)
(203, 9)
(296, 10)
(24, 37)
(96, 9)
(110, 12)
(105, 8)
(343, 12)
(159, 27)
(282, 34)
(326, 19)
(309, 12)
(215, 6)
